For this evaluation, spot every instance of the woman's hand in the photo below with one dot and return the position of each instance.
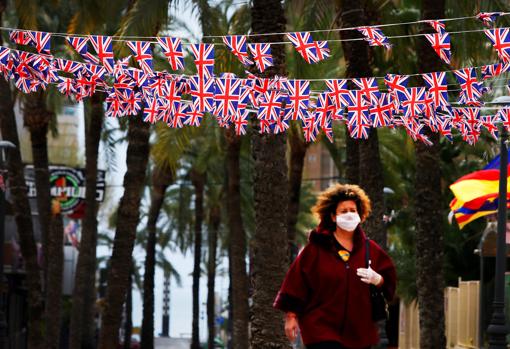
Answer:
(291, 326)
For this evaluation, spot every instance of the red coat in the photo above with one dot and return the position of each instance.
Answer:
(330, 300)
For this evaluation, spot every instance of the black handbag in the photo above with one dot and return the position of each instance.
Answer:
(379, 304)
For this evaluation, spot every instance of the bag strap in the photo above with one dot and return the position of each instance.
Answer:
(367, 252)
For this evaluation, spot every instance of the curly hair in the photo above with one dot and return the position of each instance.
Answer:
(329, 199)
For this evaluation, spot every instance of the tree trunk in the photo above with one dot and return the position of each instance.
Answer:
(214, 225)
(161, 179)
(363, 154)
(428, 212)
(55, 267)
(36, 119)
(298, 149)
(198, 180)
(270, 186)
(82, 327)
(127, 221)
(22, 215)
(128, 323)
(237, 247)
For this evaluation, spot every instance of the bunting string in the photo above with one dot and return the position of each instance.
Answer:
(184, 100)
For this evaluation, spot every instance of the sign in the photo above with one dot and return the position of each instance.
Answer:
(67, 185)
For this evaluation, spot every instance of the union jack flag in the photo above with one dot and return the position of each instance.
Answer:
(193, 115)
(204, 59)
(80, 46)
(438, 26)
(170, 101)
(368, 89)
(5, 61)
(437, 87)
(396, 83)
(261, 55)
(140, 78)
(237, 45)
(444, 123)
(501, 42)
(441, 44)
(133, 100)
(413, 101)
(374, 36)
(172, 49)
(299, 96)
(324, 110)
(358, 118)
(304, 45)
(493, 70)
(103, 47)
(66, 86)
(67, 65)
(202, 93)
(178, 117)
(471, 88)
(121, 67)
(21, 64)
(320, 51)
(310, 128)
(489, 122)
(151, 110)
(41, 41)
(270, 106)
(114, 107)
(143, 54)
(488, 18)
(19, 37)
(502, 117)
(241, 122)
(227, 98)
(381, 112)
(339, 93)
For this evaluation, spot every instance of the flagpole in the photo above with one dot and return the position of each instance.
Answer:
(497, 328)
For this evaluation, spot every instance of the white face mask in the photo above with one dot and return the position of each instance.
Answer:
(348, 221)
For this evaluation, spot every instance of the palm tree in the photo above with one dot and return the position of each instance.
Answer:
(429, 233)
(22, 213)
(270, 186)
(82, 327)
(198, 179)
(363, 162)
(55, 266)
(143, 18)
(214, 226)
(161, 180)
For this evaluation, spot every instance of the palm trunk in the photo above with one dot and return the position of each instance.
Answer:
(198, 180)
(363, 158)
(127, 221)
(237, 247)
(429, 235)
(215, 217)
(160, 182)
(270, 186)
(22, 215)
(82, 327)
(128, 323)
(298, 149)
(55, 276)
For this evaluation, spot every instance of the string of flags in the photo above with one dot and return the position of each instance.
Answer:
(161, 96)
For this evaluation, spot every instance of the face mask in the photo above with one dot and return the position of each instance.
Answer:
(348, 221)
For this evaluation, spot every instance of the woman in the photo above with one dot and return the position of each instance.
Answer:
(326, 290)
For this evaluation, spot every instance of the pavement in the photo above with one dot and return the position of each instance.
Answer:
(171, 343)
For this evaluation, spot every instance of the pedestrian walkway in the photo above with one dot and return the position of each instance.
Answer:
(171, 343)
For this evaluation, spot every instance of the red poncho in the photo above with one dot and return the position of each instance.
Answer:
(330, 300)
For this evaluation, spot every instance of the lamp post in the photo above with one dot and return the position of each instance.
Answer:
(4, 146)
(497, 327)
